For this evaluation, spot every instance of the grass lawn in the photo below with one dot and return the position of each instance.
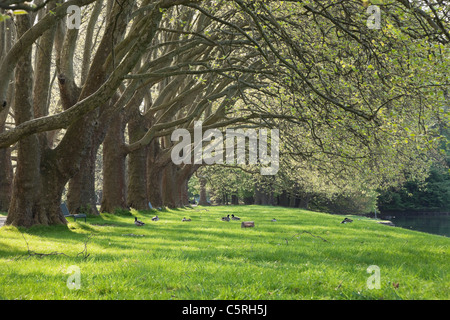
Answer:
(211, 259)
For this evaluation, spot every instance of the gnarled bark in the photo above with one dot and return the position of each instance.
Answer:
(154, 175)
(28, 203)
(203, 201)
(137, 166)
(6, 178)
(114, 156)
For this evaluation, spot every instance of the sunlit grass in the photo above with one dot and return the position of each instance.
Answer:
(211, 259)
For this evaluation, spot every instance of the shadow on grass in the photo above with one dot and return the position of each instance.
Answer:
(213, 239)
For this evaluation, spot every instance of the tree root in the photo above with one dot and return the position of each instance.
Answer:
(31, 253)
(300, 233)
(85, 253)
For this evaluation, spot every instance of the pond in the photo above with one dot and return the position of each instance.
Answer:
(436, 224)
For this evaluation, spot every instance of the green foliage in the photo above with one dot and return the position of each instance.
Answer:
(4, 17)
(367, 108)
(335, 194)
(193, 187)
(433, 195)
(342, 203)
(226, 181)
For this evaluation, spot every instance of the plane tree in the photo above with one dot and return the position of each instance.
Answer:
(347, 98)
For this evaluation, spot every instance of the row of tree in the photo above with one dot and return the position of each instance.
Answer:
(235, 185)
(356, 107)
(225, 185)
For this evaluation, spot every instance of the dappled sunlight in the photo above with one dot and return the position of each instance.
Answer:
(174, 259)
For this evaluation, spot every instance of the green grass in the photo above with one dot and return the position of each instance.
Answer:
(211, 259)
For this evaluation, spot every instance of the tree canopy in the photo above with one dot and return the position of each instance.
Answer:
(357, 107)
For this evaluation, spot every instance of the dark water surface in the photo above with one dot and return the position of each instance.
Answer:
(436, 224)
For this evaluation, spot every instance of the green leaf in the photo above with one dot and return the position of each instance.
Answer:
(19, 12)
(4, 17)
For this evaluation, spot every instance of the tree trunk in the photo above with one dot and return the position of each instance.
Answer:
(304, 201)
(203, 201)
(283, 199)
(154, 175)
(137, 167)
(81, 197)
(249, 200)
(234, 199)
(6, 168)
(53, 183)
(26, 186)
(258, 195)
(292, 201)
(263, 196)
(154, 187)
(182, 179)
(169, 187)
(184, 193)
(41, 173)
(114, 157)
(95, 124)
(6, 178)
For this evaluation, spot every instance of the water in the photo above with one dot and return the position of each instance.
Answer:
(426, 223)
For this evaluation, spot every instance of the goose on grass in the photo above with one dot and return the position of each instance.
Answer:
(137, 222)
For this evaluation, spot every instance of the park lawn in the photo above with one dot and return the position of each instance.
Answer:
(304, 255)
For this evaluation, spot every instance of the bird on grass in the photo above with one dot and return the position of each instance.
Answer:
(227, 218)
(184, 219)
(155, 218)
(346, 220)
(235, 218)
(274, 220)
(137, 222)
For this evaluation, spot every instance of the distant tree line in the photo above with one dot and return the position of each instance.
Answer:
(429, 196)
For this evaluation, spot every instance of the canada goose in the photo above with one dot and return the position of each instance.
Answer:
(346, 220)
(138, 223)
(227, 218)
(155, 218)
(184, 219)
(274, 220)
(235, 218)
